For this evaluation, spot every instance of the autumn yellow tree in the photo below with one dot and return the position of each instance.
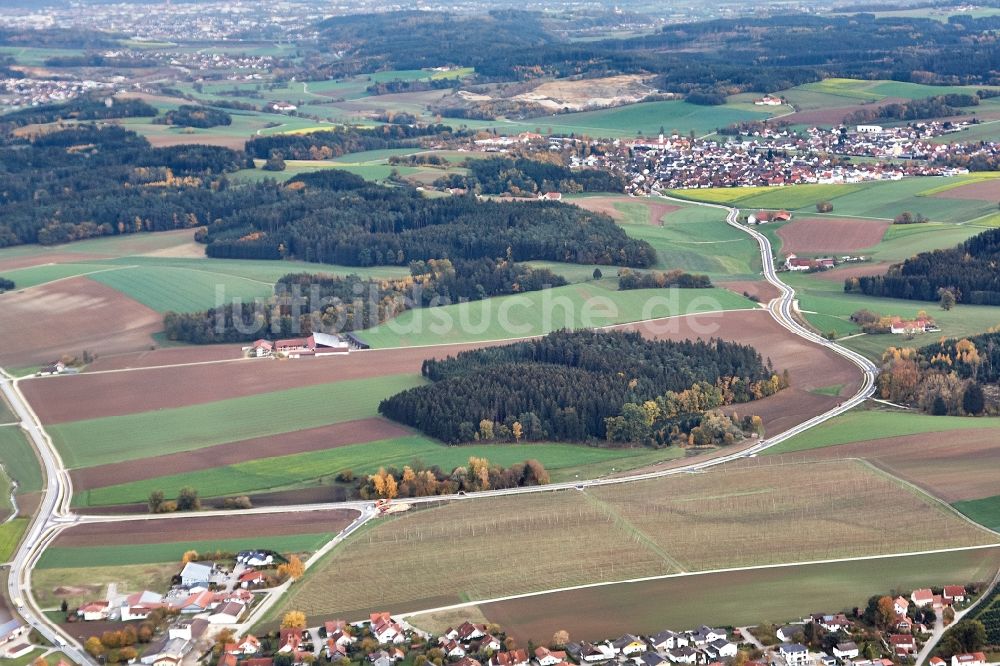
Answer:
(560, 638)
(94, 647)
(479, 472)
(189, 556)
(293, 569)
(518, 430)
(293, 620)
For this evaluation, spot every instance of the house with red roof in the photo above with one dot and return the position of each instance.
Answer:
(923, 596)
(969, 659)
(902, 644)
(954, 593)
(94, 611)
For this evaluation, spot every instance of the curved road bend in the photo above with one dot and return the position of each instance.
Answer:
(54, 514)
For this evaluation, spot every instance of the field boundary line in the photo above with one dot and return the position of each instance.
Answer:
(626, 526)
(70, 277)
(645, 579)
(934, 501)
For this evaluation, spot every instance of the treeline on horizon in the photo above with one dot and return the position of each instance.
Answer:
(704, 60)
(574, 385)
(334, 143)
(304, 303)
(968, 271)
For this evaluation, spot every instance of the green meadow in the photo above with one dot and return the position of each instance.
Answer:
(984, 511)
(116, 438)
(61, 557)
(564, 462)
(589, 304)
(857, 426)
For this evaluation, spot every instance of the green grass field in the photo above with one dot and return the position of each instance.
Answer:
(590, 304)
(564, 462)
(856, 426)
(113, 439)
(776, 595)
(984, 511)
(154, 553)
(10, 535)
(19, 459)
(36, 275)
(187, 289)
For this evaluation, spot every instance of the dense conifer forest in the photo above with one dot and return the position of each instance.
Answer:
(572, 386)
(968, 271)
(497, 175)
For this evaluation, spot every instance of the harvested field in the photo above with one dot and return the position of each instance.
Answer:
(735, 598)
(149, 358)
(954, 466)
(41, 324)
(763, 290)
(606, 205)
(87, 396)
(830, 234)
(14, 263)
(834, 116)
(205, 528)
(683, 523)
(987, 189)
(312, 439)
(166, 139)
(809, 366)
(854, 270)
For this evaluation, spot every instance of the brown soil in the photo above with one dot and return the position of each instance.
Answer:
(166, 356)
(15, 263)
(836, 115)
(71, 398)
(313, 439)
(809, 366)
(204, 528)
(763, 290)
(957, 465)
(854, 270)
(831, 234)
(167, 140)
(983, 190)
(606, 205)
(41, 324)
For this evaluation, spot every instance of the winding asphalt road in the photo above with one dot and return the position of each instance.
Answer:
(54, 512)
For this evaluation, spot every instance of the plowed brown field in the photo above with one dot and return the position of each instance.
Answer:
(66, 317)
(830, 234)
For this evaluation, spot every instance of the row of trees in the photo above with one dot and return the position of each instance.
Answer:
(337, 142)
(567, 385)
(939, 106)
(967, 271)
(628, 279)
(193, 115)
(304, 302)
(417, 480)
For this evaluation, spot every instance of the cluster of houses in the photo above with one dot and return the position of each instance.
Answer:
(704, 645)
(317, 344)
(794, 262)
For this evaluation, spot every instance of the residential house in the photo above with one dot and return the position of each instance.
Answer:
(834, 623)
(903, 624)
(765, 216)
(629, 645)
(902, 644)
(590, 653)
(199, 602)
(667, 640)
(385, 630)
(720, 649)
(937, 661)
(169, 653)
(255, 558)
(794, 654)
(848, 650)
(954, 593)
(228, 613)
(188, 630)
(551, 196)
(227, 659)
(380, 658)
(827, 660)
(261, 349)
(649, 659)
(94, 611)
(704, 635)
(453, 649)
(924, 596)
(251, 578)
(547, 657)
(196, 574)
(341, 638)
(788, 633)
(517, 657)
(491, 643)
(290, 640)
(469, 632)
(969, 659)
(682, 655)
(333, 651)
(901, 605)
(248, 645)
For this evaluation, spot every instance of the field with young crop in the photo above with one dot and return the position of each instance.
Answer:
(738, 598)
(589, 304)
(134, 436)
(742, 515)
(316, 468)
